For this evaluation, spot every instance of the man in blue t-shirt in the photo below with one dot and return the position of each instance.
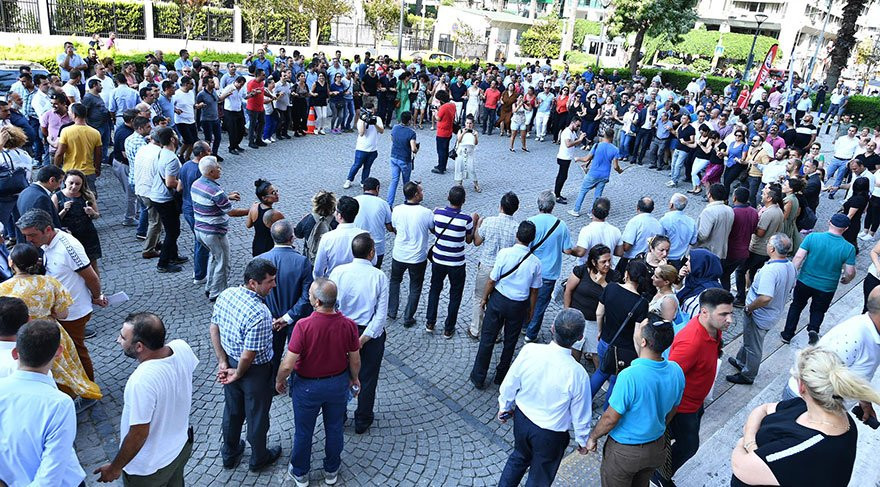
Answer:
(403, 147)
(644, 399)
(820, 258)
(545, 103)
(598, 170)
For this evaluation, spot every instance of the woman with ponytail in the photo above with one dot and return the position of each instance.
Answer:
(261, 216)
(807, 440)
(47, 299)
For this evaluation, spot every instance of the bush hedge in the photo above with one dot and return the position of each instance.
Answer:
(168, 23)
(86, 17)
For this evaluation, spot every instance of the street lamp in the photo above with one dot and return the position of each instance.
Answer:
(760, 19)
(400, 31)
(605, 5)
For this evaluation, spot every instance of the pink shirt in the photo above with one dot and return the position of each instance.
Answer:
(53, 123)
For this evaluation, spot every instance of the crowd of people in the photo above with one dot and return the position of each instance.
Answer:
(643, 310)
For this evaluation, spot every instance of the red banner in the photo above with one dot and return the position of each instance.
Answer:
(763, 73)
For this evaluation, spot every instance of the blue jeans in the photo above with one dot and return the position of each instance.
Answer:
(104, 130)
(38, 140)
(271, 123)
(625, 141)
(398, 169)
(589, 183)
(349, 113)
(678, 159)
(200, 252)
(143, 215)
(364, 159)
(598, 378)
(838, 166)
(699, 165)
(310, 397)
(8, 216)
(544, 293)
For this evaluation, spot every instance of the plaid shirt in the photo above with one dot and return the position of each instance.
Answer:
(498, 232)
(134, 142)
(26, 96)
(245, 324)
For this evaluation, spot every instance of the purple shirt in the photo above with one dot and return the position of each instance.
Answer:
(745, 221)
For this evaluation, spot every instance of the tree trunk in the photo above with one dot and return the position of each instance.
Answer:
(568, 35)
(637, 49)
(845, 42)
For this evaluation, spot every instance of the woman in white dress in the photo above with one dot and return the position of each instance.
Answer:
(464, 163)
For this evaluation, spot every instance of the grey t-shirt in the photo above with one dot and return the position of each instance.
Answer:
(166, 164)
(776, 279)
(771, 221)
(209, 111)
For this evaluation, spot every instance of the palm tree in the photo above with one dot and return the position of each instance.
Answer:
(846, 40)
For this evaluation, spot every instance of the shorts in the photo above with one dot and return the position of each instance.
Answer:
(517, 124)
(188, 132)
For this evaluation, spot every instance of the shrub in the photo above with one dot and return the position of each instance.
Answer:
(168, 22)
(701, 43)
(583, 28)
(869, 106)
(579, 57)
(543, 39)
(86, 17)
(286, 29)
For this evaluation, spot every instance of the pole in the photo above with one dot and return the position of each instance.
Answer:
(400, 33)
(818, 45)
(751, 57)
(601, 42)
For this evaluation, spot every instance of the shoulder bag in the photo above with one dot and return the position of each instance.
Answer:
(13, 180)
(449, 224)
(617, 358)
(530, 252)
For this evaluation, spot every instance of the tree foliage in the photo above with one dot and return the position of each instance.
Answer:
(582, 29)
(542, 39)
(217, 27)
(189, 11)
(701, 43)
(86, 17)
(382, 16)
(846, 39)
(651, 17)
(322, 11)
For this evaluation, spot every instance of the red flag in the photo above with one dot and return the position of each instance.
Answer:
(763, 73)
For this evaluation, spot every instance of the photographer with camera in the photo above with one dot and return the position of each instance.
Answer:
(369, 126)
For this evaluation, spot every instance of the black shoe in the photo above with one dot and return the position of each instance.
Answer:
(561, 200)
(739, 379)
(479, 385)
(240, 149)
(409, 324)
(736, 365)
(179, 260)
(390, 317)
(739, 303)
(274, 453)
(261, 144)
(233, 151)
(253, 146)
(429, 328)
(219, 159)
(659, 481)
(814, 337)
(169, 268)
(498, 379)
(437, 171)
(362, 428)
(785, 339)
(232, 461)
(652, 166)
(90, 332)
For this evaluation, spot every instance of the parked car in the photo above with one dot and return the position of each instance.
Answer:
(432, 56)
(9, 74)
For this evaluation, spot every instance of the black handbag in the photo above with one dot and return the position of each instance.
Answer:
(13, 180)
(617, 358)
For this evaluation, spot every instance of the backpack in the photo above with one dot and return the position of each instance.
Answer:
(13, 180)
(322, 226)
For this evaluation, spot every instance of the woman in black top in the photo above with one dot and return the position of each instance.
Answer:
(807, 440)
(319, 95)
(589, 121)
(582, 292)
(853, 207)
(261, 216)
(615, 304)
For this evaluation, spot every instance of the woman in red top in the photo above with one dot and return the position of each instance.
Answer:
(490, 105)
(531, 99)
(562, 115)
(508, 98)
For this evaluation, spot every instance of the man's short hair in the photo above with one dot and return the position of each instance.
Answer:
(546, 201)
(718, 192)
(568, 327)
(140, 122)
(601, 208)
(37, 343)
(405, 118)
(456, 196)
(525, 233)
(48, 172)
(93, 82)
(679, 201)
(361, 246)
(348, 208)
(167, 84)
(128, 115)
(741, 195)
(781, 242)
(410, 190)
(509, 203)
(325, 292)
(711, 298)
(658, 335)
(371, 184)
(79, 110)
(147, 329)
(13, 315)
(200, 148)
(164, 135)
(282, 232)
(645, 204)
(257, 269)
(208, 164)
(35, 218)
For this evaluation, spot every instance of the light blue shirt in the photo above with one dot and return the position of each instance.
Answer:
(75, 62)
(123, 98)
(663, 129)
(545, 102)
(637, 231)
(37, 429)
(644, 394)
(682, 232)
(180, 63)
(550, 252)
(227, 79)
(167, 107)
(526, 277)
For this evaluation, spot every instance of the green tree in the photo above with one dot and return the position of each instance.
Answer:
(583, 28)
(255, 11)
(651, 17)
(846, 40)
(189, 13)
(323, 11)
(868, 54)
(543, 39)
(382, 16)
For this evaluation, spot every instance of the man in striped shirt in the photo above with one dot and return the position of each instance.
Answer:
(453, 230)
(212, 209)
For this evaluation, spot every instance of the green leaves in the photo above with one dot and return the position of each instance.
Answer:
(543, 39)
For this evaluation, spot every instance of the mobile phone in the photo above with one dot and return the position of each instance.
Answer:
(859, 412)
(505, 415)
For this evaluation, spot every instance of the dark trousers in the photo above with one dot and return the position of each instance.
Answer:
(868, 285)
(535, 449)
(561, 175)
(872, 219)
(754, 188)
(750, 267)
(416, 279)
(386, 108)
(247, 399)
(442, 152)
(283, 122)
(371, 360)
(37, 143)
(311, 397)
(213, 134)
(255, 129)
(501, 311)
(457, 276)
(235, 127)
(643, 140)
(280, 339)
(728, 266)
(684, 429)
(732, 174)
(299, 115)
(821, 300)
(170, 217)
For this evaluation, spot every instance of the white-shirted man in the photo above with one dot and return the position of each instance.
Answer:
(374, 216)
(598, 231)
(412, 223)
(335, 246)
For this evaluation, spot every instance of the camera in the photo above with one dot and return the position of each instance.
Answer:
(367, 116)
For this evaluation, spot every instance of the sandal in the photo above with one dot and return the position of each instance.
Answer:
(525, 150)
(512, 150)
(477, 187)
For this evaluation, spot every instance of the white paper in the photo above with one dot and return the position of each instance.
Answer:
(117, 298)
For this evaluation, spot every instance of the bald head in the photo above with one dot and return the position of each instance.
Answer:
(282, 232)
(323, 294)
(873, 304)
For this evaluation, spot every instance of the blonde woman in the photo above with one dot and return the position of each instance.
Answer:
(464, 163)
(47, 299)
(665, 303)
(806, 440)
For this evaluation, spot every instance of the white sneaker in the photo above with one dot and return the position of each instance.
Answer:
(330, 478)
(671, 184)
(574, 213)
(273, 139)
(346, 184)
(867, 237)
(863, 233)
(267, 141)
(200, 281)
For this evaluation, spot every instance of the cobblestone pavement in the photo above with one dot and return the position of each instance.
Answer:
(432, 427)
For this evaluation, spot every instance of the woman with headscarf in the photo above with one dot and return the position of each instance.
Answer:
(702, 271)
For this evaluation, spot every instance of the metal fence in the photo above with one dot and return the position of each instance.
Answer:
(277, 29)
(20, 16)
(349, 33)
(208, 25)
(417, 40)
(87, 17)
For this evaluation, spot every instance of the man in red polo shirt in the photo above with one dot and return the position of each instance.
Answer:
(323, 354)
(696, 349)
(445, 116)
(255, 109)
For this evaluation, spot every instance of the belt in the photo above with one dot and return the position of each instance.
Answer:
(322, 378)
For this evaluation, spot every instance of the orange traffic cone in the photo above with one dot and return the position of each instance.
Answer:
(310, 125)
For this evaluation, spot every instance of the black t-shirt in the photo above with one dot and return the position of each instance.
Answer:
(390, 83)
(618, 302)
(702, 154)
(713, 157)
(798, 455)
(870, 162)
(684, 133)
(370, 84)
(457, 92)
(585, 297)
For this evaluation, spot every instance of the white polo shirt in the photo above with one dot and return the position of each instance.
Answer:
(413, 223)
(64, 257)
